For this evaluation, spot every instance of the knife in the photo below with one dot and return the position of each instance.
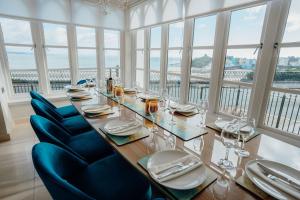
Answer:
(278, 176)
(177, 170)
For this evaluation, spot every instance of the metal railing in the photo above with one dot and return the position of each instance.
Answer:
(283, 112)
(23, 81)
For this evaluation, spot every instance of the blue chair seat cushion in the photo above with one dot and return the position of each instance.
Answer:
(90, 145)
(112, 178)
(67, 111)
(76, 125)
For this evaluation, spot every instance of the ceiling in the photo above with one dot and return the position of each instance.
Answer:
(117, 2)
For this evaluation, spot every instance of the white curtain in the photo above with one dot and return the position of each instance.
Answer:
(153, 12)
(67, 11)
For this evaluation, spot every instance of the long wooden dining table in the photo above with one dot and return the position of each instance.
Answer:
(207, 147)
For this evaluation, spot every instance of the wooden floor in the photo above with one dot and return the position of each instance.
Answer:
(18, 179)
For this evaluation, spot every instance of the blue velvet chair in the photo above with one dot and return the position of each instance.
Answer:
(75, 125)
(89, 146)
(64, 111)
(68, 177)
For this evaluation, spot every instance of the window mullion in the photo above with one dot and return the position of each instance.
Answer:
(164, 55)
(37, 37)
(73, 55)
(146, 58)
(100, 54)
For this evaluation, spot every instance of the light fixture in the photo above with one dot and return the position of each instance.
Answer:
(106, 4)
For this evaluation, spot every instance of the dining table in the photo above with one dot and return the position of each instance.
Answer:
(207, 146)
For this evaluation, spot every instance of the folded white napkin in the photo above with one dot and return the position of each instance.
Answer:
(254, 168)
(79, 94)
(157, 170)
(124, 127)
(95, 109)
(185, 108)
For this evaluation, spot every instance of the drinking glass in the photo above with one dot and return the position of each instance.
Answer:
(172, 109)
(248, 128)
(202, 109)
(229, 142)
(163, 97)
(221, 187)
(119, 93)
(153, 109)
(136, 88)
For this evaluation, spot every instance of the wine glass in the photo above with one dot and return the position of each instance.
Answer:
(248, 128)
(229, 142)
(172, 109)
(221, 187)
(163, 97)
(153, 109)
(202, 108)
(136, 88)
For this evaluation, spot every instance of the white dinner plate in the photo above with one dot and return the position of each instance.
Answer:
(74, 88)
(190, 180)
(181, 109)
(221, 124)
(117, 122)
(267, 187)
(146, 97)
(95, 109)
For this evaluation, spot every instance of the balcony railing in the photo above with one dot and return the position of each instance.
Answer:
(23, 81)
(283, 112)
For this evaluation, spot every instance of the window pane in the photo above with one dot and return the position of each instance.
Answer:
(292, 29)
(176, 34)
(87, 58)
(55, 34)
(57, 58)
(204, 31)
(112, 58)
(173, 76)
(287, 73)
(140, 78)
(201, 62)
(246, 25)
(198, 90)
(155, 60)
(16, 31)
(240, 65)
(58, 67)
(140, 59)
(234, 99)
(155, 37)
(140, 39)
(22, 69)
(85, 37)
(20, 57)
(174, 61)
(111, 39)
(154, 70)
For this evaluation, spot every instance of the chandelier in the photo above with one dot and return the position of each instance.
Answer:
(105, 5)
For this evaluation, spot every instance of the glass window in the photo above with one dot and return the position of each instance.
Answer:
(111, 39)
(176, 34)
(246, 25)
(16, 31)
(201, 62)
(140, 39)
(292, 29)
(86, 37)
(155, 41)
(112, 58)
(204, 31)
(287, 73)
(87, 58)
(174, 61)
(55, 34)
(57, 58)
(20, 57)
(140, 78)
(155, 60)
(240, 65)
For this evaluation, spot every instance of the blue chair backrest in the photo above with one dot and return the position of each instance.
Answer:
(57, 167)
(44, 110)
(36, 95)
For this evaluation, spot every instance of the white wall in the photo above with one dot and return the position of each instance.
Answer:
(66, 11)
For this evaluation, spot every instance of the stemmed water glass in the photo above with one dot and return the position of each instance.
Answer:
(202, 109)
(163, 98)
(136, 88)
(247, 127)
(229, 142)
(172, 109)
